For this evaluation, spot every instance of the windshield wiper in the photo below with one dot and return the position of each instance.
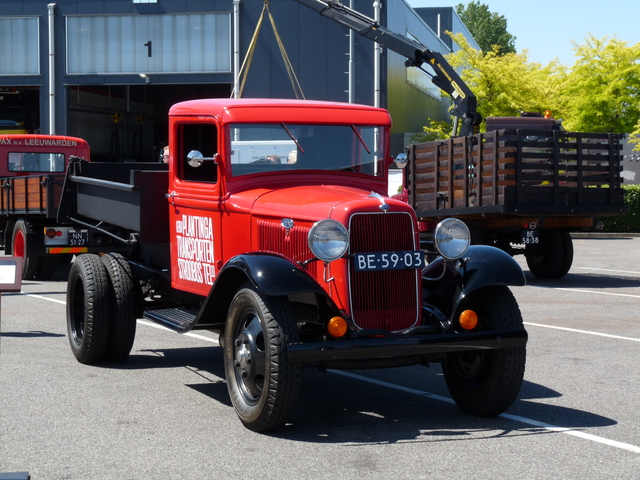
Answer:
(355, 130)
(292, 137)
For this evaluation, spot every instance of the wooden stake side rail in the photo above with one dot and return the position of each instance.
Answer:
(517, 167)
(32, 195)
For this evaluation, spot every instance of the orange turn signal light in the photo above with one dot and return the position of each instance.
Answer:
(468, 319)
(337, 327)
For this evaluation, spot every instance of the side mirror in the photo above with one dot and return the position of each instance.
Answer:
(195, 158)
(402, 160)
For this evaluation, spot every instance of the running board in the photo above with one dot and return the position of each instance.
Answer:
(176, 319)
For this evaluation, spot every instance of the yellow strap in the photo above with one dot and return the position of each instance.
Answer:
(287, 63)
(297, 89)
(249, 56)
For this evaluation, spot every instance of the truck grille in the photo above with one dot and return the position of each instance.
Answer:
(273, 239)
(386, 300)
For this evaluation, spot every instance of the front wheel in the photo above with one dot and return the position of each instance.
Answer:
(487, 382)
(263, 384)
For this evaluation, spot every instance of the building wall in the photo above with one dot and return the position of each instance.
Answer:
(316, 46)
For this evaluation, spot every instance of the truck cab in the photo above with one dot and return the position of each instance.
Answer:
(272, 227)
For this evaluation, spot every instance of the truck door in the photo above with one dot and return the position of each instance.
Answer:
(194, 197)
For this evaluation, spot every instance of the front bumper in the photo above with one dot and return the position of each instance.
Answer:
(398, 345)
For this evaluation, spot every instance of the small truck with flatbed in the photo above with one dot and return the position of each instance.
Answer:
(32, 170)
(271, 226)
(522, 187)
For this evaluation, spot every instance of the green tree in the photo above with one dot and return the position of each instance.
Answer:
(488, 28)
(601, 93)
(506, 84)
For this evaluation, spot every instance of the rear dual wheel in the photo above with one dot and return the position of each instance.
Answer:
(552, 257)
(101, 308)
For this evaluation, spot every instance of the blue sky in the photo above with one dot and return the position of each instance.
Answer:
(546, 28)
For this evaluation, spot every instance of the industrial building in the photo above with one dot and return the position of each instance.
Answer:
(109, 70)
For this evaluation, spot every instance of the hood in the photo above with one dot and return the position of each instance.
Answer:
(322, 201)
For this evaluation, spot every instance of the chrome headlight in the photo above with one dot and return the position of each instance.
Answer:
(328, 240)
(452, 238)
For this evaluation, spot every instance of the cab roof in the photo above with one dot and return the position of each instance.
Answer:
(258, 110)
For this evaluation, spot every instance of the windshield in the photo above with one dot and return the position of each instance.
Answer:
(36, 162)
(289, 147)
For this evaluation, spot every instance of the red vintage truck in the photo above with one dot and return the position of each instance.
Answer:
(271, 226)
(32, 169)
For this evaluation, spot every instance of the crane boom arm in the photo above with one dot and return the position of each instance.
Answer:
(445, 77)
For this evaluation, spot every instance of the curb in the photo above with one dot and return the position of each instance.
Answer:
(604, 235)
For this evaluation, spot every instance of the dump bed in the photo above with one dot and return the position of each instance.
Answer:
(127, 195)
(517, 173)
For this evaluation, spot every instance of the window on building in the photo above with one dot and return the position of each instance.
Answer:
(190, 43)
(20, 40)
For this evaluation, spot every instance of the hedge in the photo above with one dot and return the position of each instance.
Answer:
(629, 222)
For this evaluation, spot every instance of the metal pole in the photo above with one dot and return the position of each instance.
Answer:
(351, 72)
(377, 6)
(236, 47)
(52, 71)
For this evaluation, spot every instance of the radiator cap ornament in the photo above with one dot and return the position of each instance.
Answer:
(287, 224)
(383, 205)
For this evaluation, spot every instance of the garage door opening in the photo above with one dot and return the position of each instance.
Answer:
(19, 110)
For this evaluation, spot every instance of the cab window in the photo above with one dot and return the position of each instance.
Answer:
(200, 137)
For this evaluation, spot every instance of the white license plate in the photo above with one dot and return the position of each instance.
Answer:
(366, 262)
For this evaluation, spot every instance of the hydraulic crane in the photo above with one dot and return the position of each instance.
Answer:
(444, 76)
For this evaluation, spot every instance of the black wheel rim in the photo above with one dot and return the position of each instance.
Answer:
(249, 357)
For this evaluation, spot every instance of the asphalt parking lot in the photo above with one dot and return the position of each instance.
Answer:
(165, 413)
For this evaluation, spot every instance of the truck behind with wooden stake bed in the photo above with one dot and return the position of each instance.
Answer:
(272, 227)
(521, 187)
(32, 169)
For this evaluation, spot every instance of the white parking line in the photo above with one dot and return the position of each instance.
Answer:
(605, 270)
(42, 297)
(596, 292)
(517, 418)
(575, 330)
(188, 334)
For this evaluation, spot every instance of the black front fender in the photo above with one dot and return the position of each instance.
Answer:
(489, 266)
(446, 283)
(271, 274)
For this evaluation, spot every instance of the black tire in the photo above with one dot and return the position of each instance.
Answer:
(486, 383)
(263, 384)
(88, 309)
(567, 254)
(47, 266)
(545, 259)
(124, 295)
(20, 248)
